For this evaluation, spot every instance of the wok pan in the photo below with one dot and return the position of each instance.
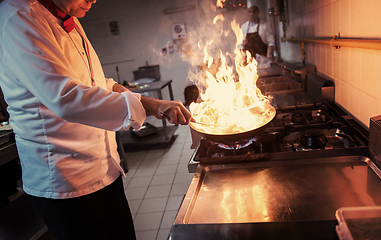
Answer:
(226, 138)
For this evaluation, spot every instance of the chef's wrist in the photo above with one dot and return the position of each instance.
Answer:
(151, 105)
(119, 88)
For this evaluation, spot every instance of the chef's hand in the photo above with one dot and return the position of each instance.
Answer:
(119, 88)
(173, 111)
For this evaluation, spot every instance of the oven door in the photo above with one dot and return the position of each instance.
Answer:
(275, 199)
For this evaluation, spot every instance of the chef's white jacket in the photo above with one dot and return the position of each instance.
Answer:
(64, 126)
(264, 32)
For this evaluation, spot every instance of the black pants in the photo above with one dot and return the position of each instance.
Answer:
(104, 214)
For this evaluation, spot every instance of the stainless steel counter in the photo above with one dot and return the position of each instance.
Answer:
(242, 201)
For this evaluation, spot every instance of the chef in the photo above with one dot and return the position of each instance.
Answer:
(64, 113)
(258, 36)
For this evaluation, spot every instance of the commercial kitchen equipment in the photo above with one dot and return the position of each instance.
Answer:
(164, 134)
(287, 182)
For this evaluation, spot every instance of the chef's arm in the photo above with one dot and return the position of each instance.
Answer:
(173, 111)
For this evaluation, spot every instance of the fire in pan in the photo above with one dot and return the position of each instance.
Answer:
(231, 132)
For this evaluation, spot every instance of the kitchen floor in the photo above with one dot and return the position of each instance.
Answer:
(156, 184)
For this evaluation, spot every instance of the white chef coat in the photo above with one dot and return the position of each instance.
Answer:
(64, 127)
(265, 32)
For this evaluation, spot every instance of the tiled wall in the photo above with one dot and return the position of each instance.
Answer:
(356, 72)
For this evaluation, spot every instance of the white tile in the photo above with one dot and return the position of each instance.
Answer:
(131, 173)
(168, 219)
(323, 59)
(137, 156)
(179, 189)
(368, 66)
(126, 181)
(187, 152)
(185, 159)
(345, 67)
(329, 52)
(158, 191)
(377, 104)
(153, 205)
(135, 193)
(163, 179)
(182, 168)
(328, 20)
(377, 82)
(176, 153)
(177, 146)
(148, 221)
(355, 18)
(183, 177)
(170, 160)
(155, 154)
(336, 63)
(142, 172)
(134, 205)
(163, 234)
(345, 16)
(140, 182)
(344, 101)
(174, 203)
(355, 67)
(336, 15)
(318, 61)
(146, 235)
(180, 139)
(133, 164)
(166, 169)
(355, 101)
(150, 163)
(337, 90)
(370, 15)
(367, 109)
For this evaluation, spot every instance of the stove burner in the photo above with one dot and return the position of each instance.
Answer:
(313, 139)
(236, 145)
(300, 115)
(234, 149)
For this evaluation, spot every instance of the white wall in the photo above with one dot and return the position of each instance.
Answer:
(357, 72)
(145, 30)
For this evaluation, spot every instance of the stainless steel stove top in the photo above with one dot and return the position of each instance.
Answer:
(317, 130)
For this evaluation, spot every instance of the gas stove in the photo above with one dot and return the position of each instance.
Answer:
(287, 181)
(307, 130)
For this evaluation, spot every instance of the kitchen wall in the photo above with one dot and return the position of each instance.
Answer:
(356, 72)
(145, 29)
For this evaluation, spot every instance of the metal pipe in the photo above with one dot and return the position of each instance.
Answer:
(338, 42)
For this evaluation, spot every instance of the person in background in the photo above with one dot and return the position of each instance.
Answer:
(258, 36)
(64, 113)
(191, 94)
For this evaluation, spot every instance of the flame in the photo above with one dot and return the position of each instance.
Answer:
(220, 4)
(218, 17)
(231, 98)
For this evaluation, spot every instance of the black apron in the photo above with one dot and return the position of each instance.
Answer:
(254, 43)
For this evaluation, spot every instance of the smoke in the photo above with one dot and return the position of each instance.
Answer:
(210, 34)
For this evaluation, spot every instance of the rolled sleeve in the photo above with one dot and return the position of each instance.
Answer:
(110, 83)
(136, 112)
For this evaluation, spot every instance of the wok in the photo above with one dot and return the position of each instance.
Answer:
(227, 138)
